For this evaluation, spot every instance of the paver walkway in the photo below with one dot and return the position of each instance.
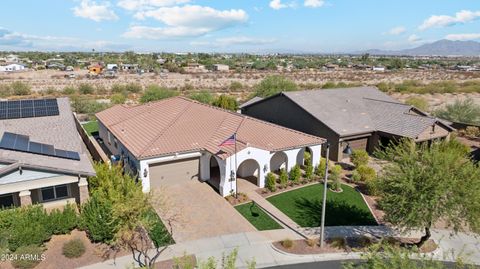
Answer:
(201, 212)
(286, 222)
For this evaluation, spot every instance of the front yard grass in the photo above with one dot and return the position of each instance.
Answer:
(257, 217)
(304, 206)
(91, 127)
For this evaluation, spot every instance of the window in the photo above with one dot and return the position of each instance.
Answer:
(53, 193)
(109, 137)
(115, 142)
(6, 200)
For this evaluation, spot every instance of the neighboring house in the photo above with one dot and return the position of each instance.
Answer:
(363, 118)
(176, 140)
(379, 68)
(112, 67)
(11, 67)
(195, 68)
(129, 67)
(42, 157)
(221, 67)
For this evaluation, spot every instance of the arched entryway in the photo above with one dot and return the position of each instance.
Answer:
(214, 173)
(278, 161)
(304, 156)
(249, 170)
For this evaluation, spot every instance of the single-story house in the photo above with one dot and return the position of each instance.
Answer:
(363, 117)
(11, 67)
(221, 67)
(42, 157)
(176, 140)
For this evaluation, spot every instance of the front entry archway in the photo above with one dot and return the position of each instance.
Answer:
(278, 161)
(215, 176)
(249, 170)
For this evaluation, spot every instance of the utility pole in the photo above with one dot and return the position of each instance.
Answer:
(325, 188)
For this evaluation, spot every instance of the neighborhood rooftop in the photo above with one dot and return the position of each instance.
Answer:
(57, 131)
(361, 110)
(178, 125)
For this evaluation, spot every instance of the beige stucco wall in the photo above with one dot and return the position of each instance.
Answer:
(432, 133)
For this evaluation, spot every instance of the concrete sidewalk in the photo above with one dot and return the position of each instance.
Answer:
(258, 246)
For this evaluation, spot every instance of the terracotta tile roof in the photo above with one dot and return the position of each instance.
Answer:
(179, 124)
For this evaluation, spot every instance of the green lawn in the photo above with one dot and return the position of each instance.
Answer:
(257, 217)
(91, 127)
(304, 206)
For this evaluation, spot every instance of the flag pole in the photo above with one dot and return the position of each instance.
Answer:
(236, 181)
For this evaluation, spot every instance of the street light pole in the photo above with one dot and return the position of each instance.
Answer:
(325, 188)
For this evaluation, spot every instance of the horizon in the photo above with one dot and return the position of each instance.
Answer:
(252, 27)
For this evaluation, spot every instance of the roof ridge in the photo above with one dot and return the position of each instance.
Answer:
(385, 101)
(165, 129)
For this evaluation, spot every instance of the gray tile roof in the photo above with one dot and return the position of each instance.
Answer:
(59, 131)
(251, 101)
(352, 111)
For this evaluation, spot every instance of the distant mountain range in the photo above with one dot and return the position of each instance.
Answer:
(439, 48)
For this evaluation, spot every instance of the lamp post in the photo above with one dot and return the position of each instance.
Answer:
(325, 187)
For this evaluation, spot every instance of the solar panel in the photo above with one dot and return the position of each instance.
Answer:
(13, 104)
(3, 114)
(14, 113)
(48, 150)
(8, 140)
(40, 111)
(21, 143)
(51, 102)
(26, 103)
(3, 105)
(28, 108)
(28, 112)
(73, 155)
(35, 147)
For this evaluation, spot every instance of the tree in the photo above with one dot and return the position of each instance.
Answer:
(465, 111)
(272, 85)
(226, 102)
(424, 184)
(155, 92)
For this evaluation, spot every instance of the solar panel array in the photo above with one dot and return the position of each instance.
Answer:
(16, 109)
(22, 143)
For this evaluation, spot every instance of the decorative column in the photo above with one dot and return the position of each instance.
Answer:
(83, 190)
(25, 198)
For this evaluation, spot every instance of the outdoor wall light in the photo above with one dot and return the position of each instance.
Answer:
(145, 172)
(265, 168)
(347, 150)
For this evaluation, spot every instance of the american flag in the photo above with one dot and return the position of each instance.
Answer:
(230, 141)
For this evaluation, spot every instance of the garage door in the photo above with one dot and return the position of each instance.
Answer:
(359, 143)
(175, 172)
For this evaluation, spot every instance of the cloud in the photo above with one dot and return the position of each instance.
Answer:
(234, 41)
(186, 21)
(133, 5)
(396, 31)
(278, 4)
(314, 3)
(98, 12)
(461, 17)
(414, 38)
(463, 37)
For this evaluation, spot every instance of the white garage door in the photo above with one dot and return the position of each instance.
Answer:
(174, 172)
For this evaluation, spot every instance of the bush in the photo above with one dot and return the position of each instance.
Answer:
(270, 182)
(155, 93)
(85, 105)
(295, 174)
(334, 176)
(118, 98)
(312, 242)
(85, 88)
(20, 88)
(69, 90)
(472, 131)
(133, 87)
(97, 219)
(320, 169)
(465, 111)
(73, 248)
(156, 230)
(366, 173)
(203, 97)
(236, 86)
(309, 171)
(283, 178)
(28, 257)
(287, 243)
(418, 102)
(373, 187)
(30, 227)
(272, 85)
(356, 177)
(359, 157)
(226, 102)
(62, 222)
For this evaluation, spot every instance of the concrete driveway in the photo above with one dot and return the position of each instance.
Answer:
(200, 212)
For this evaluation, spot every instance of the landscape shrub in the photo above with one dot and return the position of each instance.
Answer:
(334, 177)
(226, 102)
(465, 111)
(69, 90)
(236, 86)
(74, 248)
(155, 93)
(307, 158)
(203, 97)
(85, 105)
(287, 243)
(28, 257)
(270, 183)
(366, 173)
(85, 89)
(283, 178)
(118, 98)
(157, 231)
(359, 157)
(97, 219)
(295, 174)
(356, 177)
(373, 186)
(29, 227)
(20, 88)
(320, 169)
(274, 84)
(309, 171)
(418, 102)
(133, 87)
(472, 131)
(63, 221)
(312, 242)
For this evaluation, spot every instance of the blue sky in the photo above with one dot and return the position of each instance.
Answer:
(234, 25)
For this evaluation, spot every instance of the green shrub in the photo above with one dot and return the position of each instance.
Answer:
(236, 86)
(320, 169)
(20, 88)
(69, 90)
(359, 157)
(97, 219)
(156, 230)
(418, 102)
(356, 177)
(155, 93)
(226, 102)
(295, 174)
(133, 87)
(86, 88)
(465, 111)
(309, 171)
(272, 85)
(373, 187)
(62, 222)
(283, 178)
(307, 158)
(85, 105)
(334, 176)
(367, 173)
(203, 97)
(30, 227)
(28, 257)
(73, 248)
(118, 98)
(270, 183)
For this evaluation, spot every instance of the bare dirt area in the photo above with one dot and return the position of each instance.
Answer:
(438, 100)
